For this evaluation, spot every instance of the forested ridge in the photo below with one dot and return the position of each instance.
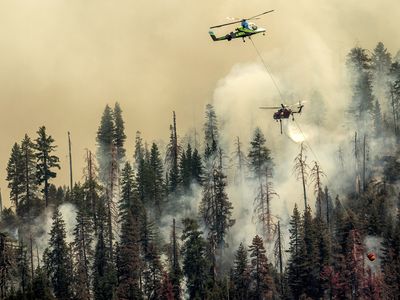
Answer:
(157, 225)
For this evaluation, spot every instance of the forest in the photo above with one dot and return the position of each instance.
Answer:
(159, 225)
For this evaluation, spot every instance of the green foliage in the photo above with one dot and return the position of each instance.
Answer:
(15, 173)
(45, 160)
(241, 273)
(261, 283)
(119, 134)
(58, 260)
(259, 155)
(195, 263)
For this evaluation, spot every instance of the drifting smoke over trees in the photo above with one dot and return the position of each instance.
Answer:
(160, 227)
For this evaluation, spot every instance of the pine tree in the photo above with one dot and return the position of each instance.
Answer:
(296, 251)
(259, 155)
(241, 273)
(129, 260)
(197, 167)
(210, 132)
(175, 271)
(195, 263)
(139, 149)
(153, 272)
(173, 150)
(359, 66)
(59, 259)
(261, 283)
(390, 259)
(91, 189)
(377, 119)
(31, 206)
(119, 134)
(104, 274)
(45, 160)
(41, 286)
(185, 168)
(215, 207)
(381, 62)
(105, 144)
(15, 175)
(23, 269)
(156, 180)
(83, 253)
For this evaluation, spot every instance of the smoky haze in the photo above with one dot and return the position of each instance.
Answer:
(61, 62)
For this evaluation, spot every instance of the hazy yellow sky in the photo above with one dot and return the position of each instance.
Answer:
(61, 62)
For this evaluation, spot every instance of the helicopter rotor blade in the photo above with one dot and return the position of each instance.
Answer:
(260, 14)
(269, 107)
(238, 21)
(226, 24)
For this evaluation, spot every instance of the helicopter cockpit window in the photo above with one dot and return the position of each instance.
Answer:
(253, 26)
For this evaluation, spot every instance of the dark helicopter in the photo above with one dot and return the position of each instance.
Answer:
(284, 111)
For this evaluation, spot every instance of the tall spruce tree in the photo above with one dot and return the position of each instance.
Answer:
(359, 64)
(104, 273)
(156, 180)
(15, 175)
(59, 259)
(129, 259)
(195, 263)
(105, 143)
(296, 251)
(211, 134)
(215, 207)
(119, 133)
(83, 252)
(30, 206)
(172, 158)
(46, 162)
(261, 283)
(241, 273)
(259, 155)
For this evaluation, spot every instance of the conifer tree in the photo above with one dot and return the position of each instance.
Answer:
(197, 168)
(58, 260)
(46, 162)
(185, 168)
(156, 180)
(119, 134)
(129, 260)
(173, 150)
(15, 175)
(261, 283)
(23, 269)
(210, 132)
(296, 251)
(41, 286)
(195, 263)
(175, 271)
(359, 66)
(91, 189)
(31, 205)
(105, 143)
(104, 274)
(83, 253)
(215, 207)
(241, 273)
(139, 149)
(259, 155)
